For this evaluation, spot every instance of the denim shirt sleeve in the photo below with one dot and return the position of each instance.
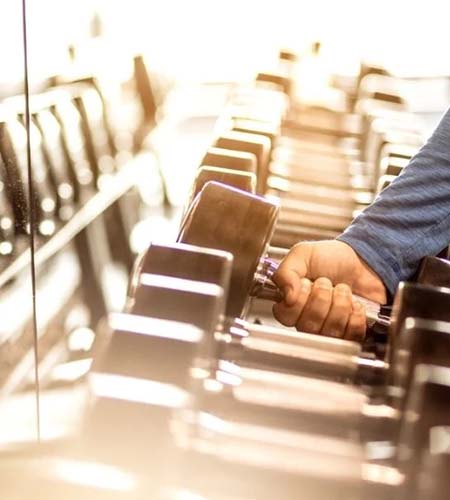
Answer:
(411, 217)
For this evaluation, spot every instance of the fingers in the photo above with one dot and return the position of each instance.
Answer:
(317, 308)
(323, 309)
(336, 322)
(288, 315)
(356, 326)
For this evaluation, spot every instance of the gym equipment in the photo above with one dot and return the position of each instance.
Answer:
(230, 159)
(242, 224)
(246, 181)
(13, 150)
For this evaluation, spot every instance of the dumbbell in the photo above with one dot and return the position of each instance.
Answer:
(260, 146)
(97, 138)
(384, 88)
(202, 216)
(55, 157)
(278, 80)
(7, 223)
(230, 159)
(427, 302)
(256, 110)
(69, 119)
(424, 457)
(245, 181)
(434, 271)
(13, 150)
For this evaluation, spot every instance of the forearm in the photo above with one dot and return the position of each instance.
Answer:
(410, 218)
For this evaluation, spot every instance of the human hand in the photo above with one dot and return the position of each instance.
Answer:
(317, 280)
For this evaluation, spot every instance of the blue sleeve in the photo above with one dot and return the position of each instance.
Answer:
(411, 217)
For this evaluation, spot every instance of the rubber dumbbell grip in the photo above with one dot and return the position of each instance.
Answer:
(265, 288)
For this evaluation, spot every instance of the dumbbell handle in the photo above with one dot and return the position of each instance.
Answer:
(265, 288)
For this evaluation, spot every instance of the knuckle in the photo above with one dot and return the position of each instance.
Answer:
(320, 297)
(323, 283)
(343, 289)
(315, 315)
(337, 323)
(356, 328)
(281, 315)
(305, 285)
(309, 326)
(342, 295)
(316, 312)
(341, 301)
(338, 334)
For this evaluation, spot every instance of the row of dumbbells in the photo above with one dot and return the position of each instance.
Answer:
(190, 399)
(322, 170)
(72, 147)
(208, 403)
(80, 154)
(77, 140)
(272, 371)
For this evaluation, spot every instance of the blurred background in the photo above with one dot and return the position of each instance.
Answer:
(152, 77)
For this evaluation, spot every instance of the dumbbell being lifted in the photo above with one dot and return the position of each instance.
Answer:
(242, 224)
(193, 265)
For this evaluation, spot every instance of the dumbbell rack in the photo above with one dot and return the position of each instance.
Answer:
(100, 199)
(169, 418)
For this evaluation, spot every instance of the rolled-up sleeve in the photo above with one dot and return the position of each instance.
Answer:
(411, 217)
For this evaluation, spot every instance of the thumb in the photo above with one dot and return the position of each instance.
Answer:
(290, 273)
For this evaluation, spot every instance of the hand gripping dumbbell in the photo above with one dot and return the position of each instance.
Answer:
(242, 224)
(196, 230)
